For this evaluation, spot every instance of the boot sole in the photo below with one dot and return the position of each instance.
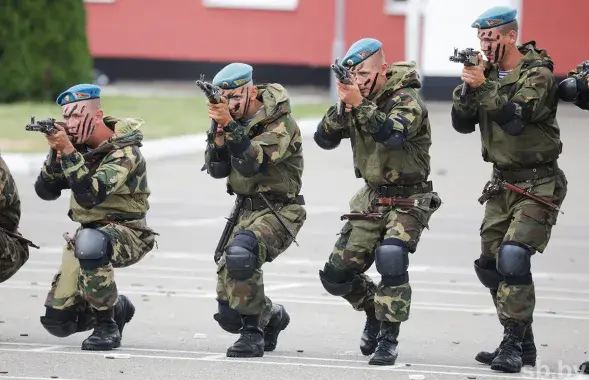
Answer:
(484, 360)
(505, 369)
(382, 362)
(282, 327)
(232, 354)
(89, 347)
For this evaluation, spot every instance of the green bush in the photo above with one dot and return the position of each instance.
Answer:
(43, 48)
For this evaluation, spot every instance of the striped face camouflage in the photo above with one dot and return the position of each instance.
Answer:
(13, 253)
(276, 146)
(399, 102)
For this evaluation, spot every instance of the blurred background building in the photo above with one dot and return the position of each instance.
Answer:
(294, 41)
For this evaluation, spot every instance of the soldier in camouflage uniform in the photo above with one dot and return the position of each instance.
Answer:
(388, 126)
(14, 252)
(106, 173)
(513, 99)
(575, 89)
(258, 148)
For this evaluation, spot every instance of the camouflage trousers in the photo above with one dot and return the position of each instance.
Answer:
(354, 250)
(76, 288)
(13, 255)
(510, 216)
(247, 296)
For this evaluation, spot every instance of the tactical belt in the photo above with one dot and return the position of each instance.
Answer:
(527, 174)
(258, 204)
(393, 191)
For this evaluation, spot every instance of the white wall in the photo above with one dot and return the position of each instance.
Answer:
(446, 26)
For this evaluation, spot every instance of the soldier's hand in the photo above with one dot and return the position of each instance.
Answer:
(474, 76)
(349, 94)
(220, 112)
(348, 108)
(60, 141)
(58, 157)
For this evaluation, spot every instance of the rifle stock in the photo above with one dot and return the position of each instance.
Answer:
(231, 222)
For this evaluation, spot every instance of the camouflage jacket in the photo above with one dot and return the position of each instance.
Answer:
(264, 156)
(516, 114)
(400, 103)
(583, 98)
(9, 199)
(108, 183)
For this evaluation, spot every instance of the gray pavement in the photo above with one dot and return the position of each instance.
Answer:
(173, 335)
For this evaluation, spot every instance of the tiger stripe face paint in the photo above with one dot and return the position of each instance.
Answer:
(493, 44)
(79, 118)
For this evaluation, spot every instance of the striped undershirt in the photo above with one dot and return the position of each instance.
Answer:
(502, 74)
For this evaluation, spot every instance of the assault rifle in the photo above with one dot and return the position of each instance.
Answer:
(343, 76)
(231, 222)
(468, 57)
(213, 96)
(46, 126)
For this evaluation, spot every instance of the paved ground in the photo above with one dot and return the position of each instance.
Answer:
(173, 335)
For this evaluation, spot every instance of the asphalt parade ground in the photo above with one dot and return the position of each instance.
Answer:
(173, 334)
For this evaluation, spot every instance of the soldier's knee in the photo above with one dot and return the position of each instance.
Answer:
(513, 262)
(392, 262)
(486, 271)
(241, 258)
(92, 248)
(337, 282)
(227, 318)
(63, 323)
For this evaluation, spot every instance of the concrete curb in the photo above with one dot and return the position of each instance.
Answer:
(21, 163)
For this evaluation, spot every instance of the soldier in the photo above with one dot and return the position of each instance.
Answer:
(512, 97)
(388, 126)
(106, 173)
(575, 89)
(258, 148)
(14, 250)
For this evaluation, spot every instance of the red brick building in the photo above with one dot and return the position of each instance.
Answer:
(290, 41)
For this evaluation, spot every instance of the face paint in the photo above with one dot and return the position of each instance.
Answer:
(78, 124)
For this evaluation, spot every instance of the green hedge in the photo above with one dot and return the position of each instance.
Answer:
(43, 48)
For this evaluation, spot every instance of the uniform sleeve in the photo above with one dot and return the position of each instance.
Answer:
(465, 108)
(90, 190)
(331, 130)
(392, 130)
(251, 156)
(532, 102)
(50, 182)
(583, 95)
(217, 161)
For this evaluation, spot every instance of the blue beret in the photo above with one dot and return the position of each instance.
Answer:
(494, 17)
(233, 75)
(77, 93)
(360, 50)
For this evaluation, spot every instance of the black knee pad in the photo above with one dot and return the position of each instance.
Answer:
(92, 248)
(513, 262)
(60, 323)
(242, 255)
(487, 274)
(337, 282)
(227, 318)
(392, 262)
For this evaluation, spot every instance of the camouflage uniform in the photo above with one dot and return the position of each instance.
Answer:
(521, 137)
(262, 156)
(14, 252)
(389, 172)
(574, 89)
(110, 201)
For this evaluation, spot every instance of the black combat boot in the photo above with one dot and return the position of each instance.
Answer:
(278, 322)
(124, 312)
(509, 359)
(528, 351)
(584, 368)
(251, 342)
(386, 349)
(106, 335)
(371, 328)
